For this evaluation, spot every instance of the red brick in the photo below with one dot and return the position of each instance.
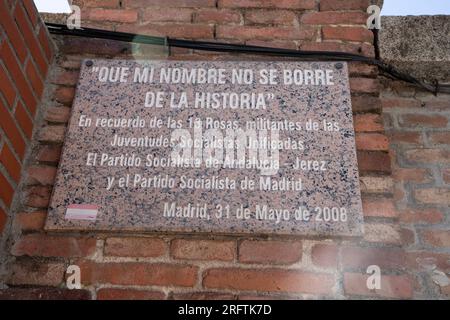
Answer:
(412, 175)
(400, 103)
(24, 120)
(437, 238)
(276, 280)
(366, 104)
(6, 191)
(135, 247)
(31, 40)
(357, 34)
(217, 16)
(41, 245)
(405, 137)
(374, 161)
(263, 33)
(97, 3)
(16, 73)
(362, 69)
(283, 4)
(438, 138)
(43, 175)
(38, 196)
(58, 114)
(37, 273)
(332, 17)
(138, 273)
(167, 14)
(335, 5)
(359, 257)
(45, 43)
(422, 121)
(67, 78)
(270, 252)
(391, 286)
(379, 207)
(382, 233)
(446, 175)
(99, 14)
(368, 122)
(10, 162)
(30, 221)
(364, 85)
(3, 218)
(31, 11)
(65, 95)
(34, 78)
(372, 142)
(283, 44)
(12, 32)
(325, 255)
(203, 249)
(428, 155)
(44, 293)
(171, 3)
(421, 216)
(49, 153)
(52, 133)
(202, 296)
(356, 48)
(265, 17)
(178, 30)
(7, 88)
(128, 294)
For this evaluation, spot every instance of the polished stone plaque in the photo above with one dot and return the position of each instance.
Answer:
(219, 147)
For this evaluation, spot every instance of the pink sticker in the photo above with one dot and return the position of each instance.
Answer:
(81, 212)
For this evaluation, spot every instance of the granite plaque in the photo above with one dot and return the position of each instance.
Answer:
(225, 147)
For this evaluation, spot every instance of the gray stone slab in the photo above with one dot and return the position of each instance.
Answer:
(311, 184)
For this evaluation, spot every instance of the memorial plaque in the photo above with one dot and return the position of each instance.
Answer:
(224, 147)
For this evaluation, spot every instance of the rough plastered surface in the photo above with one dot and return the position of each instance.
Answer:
(138, 208)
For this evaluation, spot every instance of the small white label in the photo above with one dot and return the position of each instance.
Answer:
(81, 212)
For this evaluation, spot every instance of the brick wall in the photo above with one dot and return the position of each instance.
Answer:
(417, 123)
(121, 265)
(25, 53)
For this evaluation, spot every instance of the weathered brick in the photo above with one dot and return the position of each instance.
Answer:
(428, 155)
(203, 249)
(405, 137)
(421, 216)
(335, 5)
(58, 114)
(65, 95)
(333, 17)
(263, 33)
(217, 16)
(391, 286)
(66, 78)
(356, 48)
(374, 161)
(135, 247)
(171, 3)
(396, 102)
(368, 122)
(422, 121)
(38, 196)
(379, 207)
(382, 233)
(270, 252)
(276, 280)
(325, 255)
(44, 293)
(364, 85)
(128, 294)
(438, 138)
(371, 142)
(436, 237)
(417, 175)
(138, 273)
(357, 34)
(113, 15)
(49, 153)
(36, 273)
(52, 133)
(167, 14)
(176, 30)
(3, 219)
(202, 296)
(265, 17)
(40, 245)
(43, 175)
(30, 221)
(366, 104)
(282, 4)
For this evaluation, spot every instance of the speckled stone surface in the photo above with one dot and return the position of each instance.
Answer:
(137, 208)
